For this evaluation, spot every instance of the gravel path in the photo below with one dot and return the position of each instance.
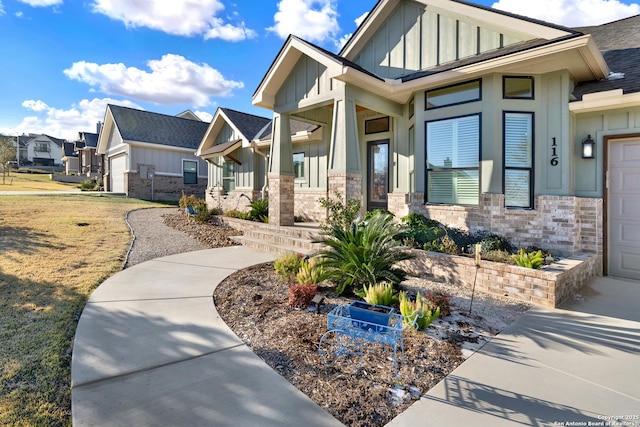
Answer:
(154, 239)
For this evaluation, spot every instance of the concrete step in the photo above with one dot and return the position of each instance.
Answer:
(273, 248)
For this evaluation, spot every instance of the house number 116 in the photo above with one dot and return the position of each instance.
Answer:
(554, 152)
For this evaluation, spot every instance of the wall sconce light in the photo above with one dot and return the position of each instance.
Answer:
(588, 148)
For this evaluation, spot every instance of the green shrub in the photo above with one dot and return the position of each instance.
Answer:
(420, 230)
(202, 215)
(379, 294)
(529, 259)
(444, 244)
(418, 314)
(92, 184)
(234, 213)
(310, 271)
(490, 242)
(259, 210)
(363, 254)
(301, 295)
(499, 256)
(287, 266)
(340, 214)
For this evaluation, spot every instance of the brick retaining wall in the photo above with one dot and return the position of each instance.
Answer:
(548, 286)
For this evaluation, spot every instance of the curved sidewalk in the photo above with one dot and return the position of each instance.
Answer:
(151, 349)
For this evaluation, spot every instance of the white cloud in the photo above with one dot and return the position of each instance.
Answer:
(344, 39)
(313, 20)
(204, 116)
(66, 124)
(41, 3)
(2, 12)
(183, 18)
(571, 13)
(172, 80)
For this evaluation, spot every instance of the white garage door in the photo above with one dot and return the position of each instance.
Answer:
(116, 173)
(624, 208)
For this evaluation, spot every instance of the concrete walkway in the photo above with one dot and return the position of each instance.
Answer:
(151, 350)
(579, 363)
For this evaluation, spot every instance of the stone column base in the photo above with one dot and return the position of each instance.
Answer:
(281, 200)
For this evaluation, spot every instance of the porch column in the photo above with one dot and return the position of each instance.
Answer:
(345, 172)
(281, 174)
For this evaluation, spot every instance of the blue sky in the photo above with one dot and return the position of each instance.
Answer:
(63, 61)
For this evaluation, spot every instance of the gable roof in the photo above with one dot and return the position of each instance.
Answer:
(155, 128)
(616, 35)
(69, 149)
(89, 140)
(247, 124)
(543, 47)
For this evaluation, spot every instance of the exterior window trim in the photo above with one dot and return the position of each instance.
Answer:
(478, 168)
(184, 172)
(379, 119)
(504, 87)
(303, 176)
(479, 98)
(530, 169)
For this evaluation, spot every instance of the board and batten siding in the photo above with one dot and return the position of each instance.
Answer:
(247, 174)
(315, 165)
(588, 173)
(415, 37)
(307, 80)
(164, 161)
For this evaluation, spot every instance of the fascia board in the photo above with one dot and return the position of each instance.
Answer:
(159, 146)
(602, 101)
(205, 139)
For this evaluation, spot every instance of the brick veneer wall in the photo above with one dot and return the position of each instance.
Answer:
(237, 199)
(563, 224)
(548, 286)
(306, 206)
(349, 185)
(166, 188)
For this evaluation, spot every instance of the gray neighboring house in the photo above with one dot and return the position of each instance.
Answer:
(236, 147)
(150, 155)
(70, 158)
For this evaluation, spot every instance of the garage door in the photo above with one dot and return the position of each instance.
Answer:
(624, 208)
(116, 173)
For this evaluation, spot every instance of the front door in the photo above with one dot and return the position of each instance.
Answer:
(378, 174)
(623, 206)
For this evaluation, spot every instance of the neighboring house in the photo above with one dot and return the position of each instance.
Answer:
(89, 161)
(236, 147)
(69, 158)
(42, 150)
(151, 156)
(474, 117)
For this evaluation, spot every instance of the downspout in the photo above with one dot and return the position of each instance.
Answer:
(254, 148)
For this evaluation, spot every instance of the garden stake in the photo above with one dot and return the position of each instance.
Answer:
(475, 277)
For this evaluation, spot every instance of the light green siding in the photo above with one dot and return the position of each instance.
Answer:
(315, 164)
(588, 173)
(226, 134)
(307, 80)
(415, 37)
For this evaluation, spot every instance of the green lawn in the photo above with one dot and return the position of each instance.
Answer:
(32, 182)
(54, 251)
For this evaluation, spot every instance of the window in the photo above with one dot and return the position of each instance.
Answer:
(42, 147)
(412, 108)
(520, 87)
(518, 160)
(228, 177)
(453, 160)
(376, 125)
(453, 95)
(298, 165)
(190, 172)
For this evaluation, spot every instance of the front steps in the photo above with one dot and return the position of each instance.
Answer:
(274, 239)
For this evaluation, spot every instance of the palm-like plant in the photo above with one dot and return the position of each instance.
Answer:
(363, 254)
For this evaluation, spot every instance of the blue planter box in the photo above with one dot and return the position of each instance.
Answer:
(370, 313)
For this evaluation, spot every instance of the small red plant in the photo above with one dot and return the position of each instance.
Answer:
(300, 295)
(439, 299)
